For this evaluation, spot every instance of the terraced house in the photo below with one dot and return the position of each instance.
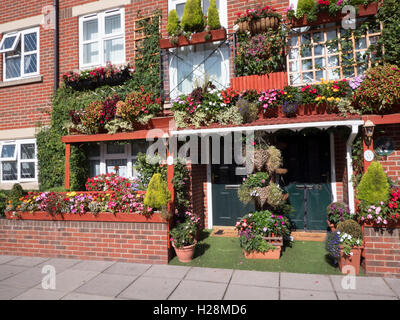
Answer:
(84, 83)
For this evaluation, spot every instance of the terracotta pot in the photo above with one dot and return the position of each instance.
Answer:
(270, 255)
(270, 112)
(351, 260)
(197, 38)
(331, 226)
(185, 254)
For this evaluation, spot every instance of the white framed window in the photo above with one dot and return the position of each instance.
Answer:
(191, 65)
(179, 5)
(21, 54)
(102, 38)
(18, 161)
(316, 52)
(108, 157)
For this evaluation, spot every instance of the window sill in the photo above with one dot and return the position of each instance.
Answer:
(19, 82)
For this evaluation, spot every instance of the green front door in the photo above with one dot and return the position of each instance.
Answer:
(227, 208)
(306, 155)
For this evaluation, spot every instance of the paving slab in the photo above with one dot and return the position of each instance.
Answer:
(7, 293)
(247, 292)
(59, 264)
(295, 294)
(6, 259)
(255, 278)
(92, 265)
(209, 274)
(167, 271)
(40, 294)
(353, 296)
(305, 281)
(25, 279)
(84, 296)
(394, 285)
(6, 271)
(198, 290)
(109, 285)
(27, 261)
(363, 285)
(129, 269)
(70, 280)
(150, 288)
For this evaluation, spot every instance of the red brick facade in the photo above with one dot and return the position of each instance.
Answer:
(127, 242)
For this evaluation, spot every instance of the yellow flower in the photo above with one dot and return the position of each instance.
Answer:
(322, 80)
(71, 194)
(323, 98)
(285, 92)
(289, 96)
(317, 98)
(335, 90)
(330, 99)
(337, 99)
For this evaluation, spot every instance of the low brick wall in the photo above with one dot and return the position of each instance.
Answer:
(138, 242)
(382, 251)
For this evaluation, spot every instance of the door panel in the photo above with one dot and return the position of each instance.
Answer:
(296, 199)
(317, 200)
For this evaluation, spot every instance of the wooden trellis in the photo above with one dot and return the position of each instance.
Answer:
(138, 34)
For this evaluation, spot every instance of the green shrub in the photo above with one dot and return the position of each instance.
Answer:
(350, 227)
(15, 194)
(193, 18)
(306, 7)
(146, 170)
(374, 186)
(157, 194)
(3, 204)
(248, 110)
(173, 23)
(213, 16)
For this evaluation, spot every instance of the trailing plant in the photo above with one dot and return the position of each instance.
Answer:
(213, 16)
(181, 182)
(193, 18)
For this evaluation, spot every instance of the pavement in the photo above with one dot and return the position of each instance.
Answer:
(31, 278)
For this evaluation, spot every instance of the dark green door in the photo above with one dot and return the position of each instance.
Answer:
(227, 208)
(306, 155)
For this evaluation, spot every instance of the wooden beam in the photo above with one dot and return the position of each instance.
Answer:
(383, 119)
(67, 166)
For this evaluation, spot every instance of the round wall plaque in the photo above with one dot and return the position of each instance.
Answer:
(369, 155)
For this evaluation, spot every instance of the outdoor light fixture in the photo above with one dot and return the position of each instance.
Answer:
(369, 127)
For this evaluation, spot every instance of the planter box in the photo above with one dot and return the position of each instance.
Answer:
(353, 260)
(197, 38)
(101, 216)
(275, 80)
(270, 255)
(324, 17)
(302, 110)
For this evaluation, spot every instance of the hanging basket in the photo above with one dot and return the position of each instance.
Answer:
(259, 25)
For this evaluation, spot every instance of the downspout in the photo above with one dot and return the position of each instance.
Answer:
(350, 140)
(56, 45)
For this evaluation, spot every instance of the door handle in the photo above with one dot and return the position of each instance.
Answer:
(232, 186)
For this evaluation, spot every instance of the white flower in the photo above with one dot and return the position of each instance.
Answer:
(351, 253)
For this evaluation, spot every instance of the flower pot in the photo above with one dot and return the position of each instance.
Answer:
(270, 255)
(331, 225)
(185, 254)
(263, 24)
(196, 38)
(351, 260)
(270, 112)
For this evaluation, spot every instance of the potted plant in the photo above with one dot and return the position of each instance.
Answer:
(261, 234)
(183, 237)
(337, 212)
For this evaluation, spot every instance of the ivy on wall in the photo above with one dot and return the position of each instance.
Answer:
(50, 148)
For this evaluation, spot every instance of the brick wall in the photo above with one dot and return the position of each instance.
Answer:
(382, 251)
(127, 242)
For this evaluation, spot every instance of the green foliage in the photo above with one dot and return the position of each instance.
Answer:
(350, 227)
(213, 16)
(388, 47)
(184, 233)
(181, 182)
(248, 110)
(147, 167)
(374, 186)
(256, 243)
(157, 194)
(173, 27)
(307, 7)
(357, 159)
(332, 245)
(3, 204)
(193, 18)
(15, 194)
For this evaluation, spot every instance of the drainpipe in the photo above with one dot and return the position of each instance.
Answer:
(56, 45)
(353, 134)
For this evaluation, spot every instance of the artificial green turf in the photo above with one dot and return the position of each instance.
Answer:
(301, 257)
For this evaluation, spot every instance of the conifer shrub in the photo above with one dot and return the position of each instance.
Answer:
(173, 27)
(374, 186)
(213, 16)
(157, 193)
(193, 18)
(350, 227)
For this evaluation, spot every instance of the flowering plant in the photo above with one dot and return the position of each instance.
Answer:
(338, 212)
(330, 92)
(332, 245)
(348, 242)
(269, 99)
(289, 109)
(356, 82)
(110, 182)
(185, 232)
(257, 13)
(256, 180)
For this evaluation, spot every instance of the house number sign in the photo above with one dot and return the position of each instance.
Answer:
(368, 155)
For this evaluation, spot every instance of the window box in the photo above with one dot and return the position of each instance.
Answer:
(276, 80)
(324, 17)
(302, 110)
(101, 216)
(197, 38)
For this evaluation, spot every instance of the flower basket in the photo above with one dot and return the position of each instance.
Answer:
(185, 254)
(351, 260)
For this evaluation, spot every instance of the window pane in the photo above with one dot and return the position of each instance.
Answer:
(8, 42)
(319, 63)
(90, 30)
(333, 61)
(94, 168)
(305, 38)
(90, 53)
(9, 170)
(308, 77)
(28, 151)
(117, 166)
(306, 64)
(293, 53)
(295, 78)
(113, 24)
(320, 75)
(13, 67)
(30, 42)
(333, 74)
(8, 151)
(93, 150)
(139, 146)
(318, 37)
(114, 50)
(30, 63)
(27, 170)
(361, 43)
(179, 10)
(214, 66)
(206, 4)
(294, 66)
(319, 50)
(293, 41)
(115, 148)
(306, 52)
